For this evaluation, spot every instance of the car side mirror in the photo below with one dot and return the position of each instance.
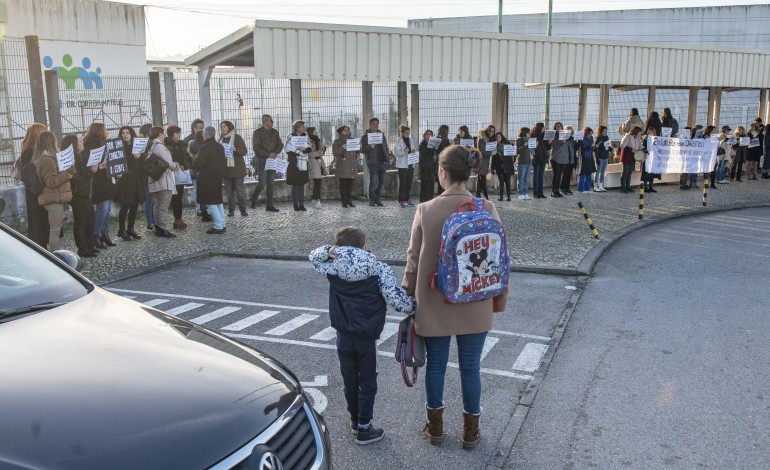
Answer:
(70, 259)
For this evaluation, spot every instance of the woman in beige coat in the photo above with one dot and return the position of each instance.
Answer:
(161, 189)
(315, 163)
(56, 184)
(438, 321)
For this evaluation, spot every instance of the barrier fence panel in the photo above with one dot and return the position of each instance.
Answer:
(15, 103)
(188, 103)
(455, 105)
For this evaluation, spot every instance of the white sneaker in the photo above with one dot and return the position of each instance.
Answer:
(526, 197)
(318, 203)
(521, 196)
(601, 188)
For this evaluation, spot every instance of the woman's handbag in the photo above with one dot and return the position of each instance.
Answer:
(154, 167)
(410, 350)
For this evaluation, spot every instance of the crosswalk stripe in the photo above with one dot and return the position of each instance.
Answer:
(529, 359)
(389, 330)
(250, 320)
(489, 343)
(292, 324)
(184, 308)
(214, 315)
(129, 297)
(155, 302)
(325, 335)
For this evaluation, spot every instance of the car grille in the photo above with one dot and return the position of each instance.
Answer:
(295, 443)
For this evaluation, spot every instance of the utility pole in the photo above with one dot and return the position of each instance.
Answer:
(500, 17)
(547, 113)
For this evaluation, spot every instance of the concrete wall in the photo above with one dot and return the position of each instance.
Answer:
(734, 27)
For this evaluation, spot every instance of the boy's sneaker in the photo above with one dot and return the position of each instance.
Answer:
(354, 427)
(369, 434)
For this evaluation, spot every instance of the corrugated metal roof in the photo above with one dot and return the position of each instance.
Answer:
(362, 53)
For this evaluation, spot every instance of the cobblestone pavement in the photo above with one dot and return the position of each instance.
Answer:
(547, 232)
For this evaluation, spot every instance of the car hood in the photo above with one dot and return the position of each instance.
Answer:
(106, 382)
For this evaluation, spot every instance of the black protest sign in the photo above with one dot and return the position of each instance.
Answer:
(116, 158)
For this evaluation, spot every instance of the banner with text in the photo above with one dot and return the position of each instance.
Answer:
(674, 155)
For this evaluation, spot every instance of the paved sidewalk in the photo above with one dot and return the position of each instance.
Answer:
(548, 232)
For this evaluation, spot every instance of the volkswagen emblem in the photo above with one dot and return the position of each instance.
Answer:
(270, 461)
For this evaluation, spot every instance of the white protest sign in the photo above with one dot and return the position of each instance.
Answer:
(66, 158)
(675, 155)
(299, 142)
(95, 156)
(182, 176)
(490, 146)
(270, 164)
(564, 135)
(466, 142)
(745, 141)
(228, 150)
(754, 143)
(579, 135)
(509, 150)
(140, 145)
(413, 158)
(665, 131)
(532, 143)
(434, 142)
(281, 166)
(374, 138)
(608, 145)
(353, 145)
(699, 133)
(549, 135)
(714, 137)
(731, 140)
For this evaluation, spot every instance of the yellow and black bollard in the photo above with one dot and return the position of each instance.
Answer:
(588, 220)
(705, 191)
(641, 200)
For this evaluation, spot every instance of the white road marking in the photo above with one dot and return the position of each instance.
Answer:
(155, 302)
(320, 402)
(318, 381)
(325, 334)
(489, 343)
(250, 320)
(521, 335)
(529, 359)
(184, 308)
(129, 297)
(389, 330)
(225, 301)
(501, 373)
(214, 315)
(291, 325)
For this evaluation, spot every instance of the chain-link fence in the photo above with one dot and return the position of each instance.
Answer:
(455, 106)
(15, 103)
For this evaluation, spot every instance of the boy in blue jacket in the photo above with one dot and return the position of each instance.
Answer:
(360, 288)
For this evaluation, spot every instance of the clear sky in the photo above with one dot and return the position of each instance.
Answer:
(182, 27)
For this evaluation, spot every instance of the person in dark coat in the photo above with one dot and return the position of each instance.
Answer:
(427, 166)
(502, 166)
(103, 191)
(211, 163)
(179, 154)
(296, 174)
(82, 209)
(539, 160)
(443, 134)
(37, 216)
(129, 187)
(235, 170)
(345, 165)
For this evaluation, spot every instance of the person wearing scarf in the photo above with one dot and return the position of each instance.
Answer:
(235, 171)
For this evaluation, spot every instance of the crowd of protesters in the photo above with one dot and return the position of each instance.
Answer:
(217, 160)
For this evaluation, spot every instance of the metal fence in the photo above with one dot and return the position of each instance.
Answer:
(15, 103)
(455, 106)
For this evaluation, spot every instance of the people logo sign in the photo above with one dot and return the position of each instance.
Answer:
(473, 258)
(70, 75)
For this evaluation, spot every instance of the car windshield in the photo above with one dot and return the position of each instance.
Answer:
(28, 278)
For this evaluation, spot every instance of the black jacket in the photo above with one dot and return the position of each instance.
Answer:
(211, 165)
(357, 309)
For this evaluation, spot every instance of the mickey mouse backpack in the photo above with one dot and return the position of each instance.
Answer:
(473, 258)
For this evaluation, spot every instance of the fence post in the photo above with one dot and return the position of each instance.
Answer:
(156, 103)
(651, 91)
(403, 109)
(204, 94)
(604, 104)
(500, 107)
(367, 102)
(54, 102)
(762, 105)
(582, 102)
(36, 79)
(717, 104)
(710, 107)
(415, 112)
(172, 113)
(296, 99)
(692, 109)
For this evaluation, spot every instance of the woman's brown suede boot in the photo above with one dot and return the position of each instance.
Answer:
(471, 435)
(434, 428)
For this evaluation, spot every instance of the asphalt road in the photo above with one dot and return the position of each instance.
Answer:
(280, 307)
(665, 360)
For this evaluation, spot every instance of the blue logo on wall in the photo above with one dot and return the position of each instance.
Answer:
(70, 75)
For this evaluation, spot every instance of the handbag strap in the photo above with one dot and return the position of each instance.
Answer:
(408, 381)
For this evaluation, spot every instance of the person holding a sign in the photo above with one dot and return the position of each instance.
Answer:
(766, 149)
(345, 165)
(315, 164)
(485, 139)
(568, 169)
(739, 153)
(587, 165)
(162, 189)
(37, 216)
(754, 151)
(524, 161)
(723, 155)
(181, 156)
(267, 144)
(427, 167)
(560, 159)
(82, 210)
(129, 188)
(211, 167)
(103, 189)
(653, 127)
(629, 145)
(443, 134)
(377, 159)
(402, 149)
(236, 167)
(602, 150)
(633, 121)
(296, 174)
(539, 160)
(498, 166)
(56, 184)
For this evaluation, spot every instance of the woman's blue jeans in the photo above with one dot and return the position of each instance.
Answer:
(102, 220)
(722, 165)
(469, 349)
(601, 168)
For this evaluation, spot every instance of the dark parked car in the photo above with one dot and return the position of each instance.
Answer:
(91, 380)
